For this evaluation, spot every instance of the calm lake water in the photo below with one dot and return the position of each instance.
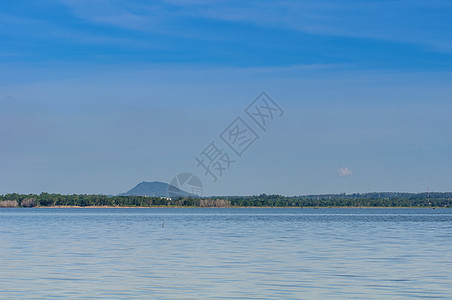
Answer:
(169, 253)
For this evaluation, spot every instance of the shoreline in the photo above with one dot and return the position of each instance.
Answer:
(311, 207)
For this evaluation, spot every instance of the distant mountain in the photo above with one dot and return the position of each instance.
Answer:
(156, 189)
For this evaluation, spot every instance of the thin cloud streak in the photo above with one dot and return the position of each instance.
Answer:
(369, 20)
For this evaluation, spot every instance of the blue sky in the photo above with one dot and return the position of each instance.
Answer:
(97, 96)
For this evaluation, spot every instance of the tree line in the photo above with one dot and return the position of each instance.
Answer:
(386, 199)
(263, 200)
(55, 200)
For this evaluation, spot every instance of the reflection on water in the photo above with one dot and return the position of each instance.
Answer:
(225, 253)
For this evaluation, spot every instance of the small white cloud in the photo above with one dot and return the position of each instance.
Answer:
(344, 171)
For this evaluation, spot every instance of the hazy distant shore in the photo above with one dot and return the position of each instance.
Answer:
(369, 200)
(251, 207)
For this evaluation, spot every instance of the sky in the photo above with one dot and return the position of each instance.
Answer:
(97, 96)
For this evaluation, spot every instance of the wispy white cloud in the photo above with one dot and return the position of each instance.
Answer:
(344, 171)
(395, 21)
(123, 15)
(46, 30)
